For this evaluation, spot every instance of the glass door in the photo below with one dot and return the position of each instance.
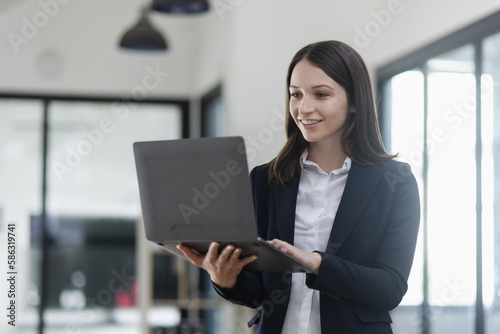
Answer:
(93, 209)
(451, 201)
(404, 94)
(20, 198)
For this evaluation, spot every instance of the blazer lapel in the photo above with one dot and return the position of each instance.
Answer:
(285, 203)
(360, 185)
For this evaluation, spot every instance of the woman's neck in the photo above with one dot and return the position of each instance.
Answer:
(328, 157)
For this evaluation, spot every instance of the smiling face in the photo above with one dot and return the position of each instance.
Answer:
(318, 104)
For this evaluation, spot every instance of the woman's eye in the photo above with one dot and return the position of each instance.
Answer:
(295, 95)
(321, 95)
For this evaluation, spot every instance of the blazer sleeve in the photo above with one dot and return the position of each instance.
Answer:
(381, 284)
(248, 290)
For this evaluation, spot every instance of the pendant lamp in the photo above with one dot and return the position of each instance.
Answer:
(180, 6)
(143, 36)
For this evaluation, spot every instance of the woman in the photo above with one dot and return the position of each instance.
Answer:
(332, 198)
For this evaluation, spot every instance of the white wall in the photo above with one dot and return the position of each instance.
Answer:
(267, 34)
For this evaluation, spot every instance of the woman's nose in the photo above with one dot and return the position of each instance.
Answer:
(306, 105)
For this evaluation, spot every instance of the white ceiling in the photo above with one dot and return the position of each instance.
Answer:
(80, 43)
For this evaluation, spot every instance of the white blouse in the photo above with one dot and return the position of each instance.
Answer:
(318, 199)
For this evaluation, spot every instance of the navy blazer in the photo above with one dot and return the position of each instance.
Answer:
(365, 268)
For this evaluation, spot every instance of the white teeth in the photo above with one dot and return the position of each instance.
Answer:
(309, 121)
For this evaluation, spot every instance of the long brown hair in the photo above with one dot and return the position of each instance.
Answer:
(361, 139)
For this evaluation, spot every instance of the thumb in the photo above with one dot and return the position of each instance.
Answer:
(195, 258)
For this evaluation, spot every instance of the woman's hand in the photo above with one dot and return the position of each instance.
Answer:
(224, 267)
(312, 259)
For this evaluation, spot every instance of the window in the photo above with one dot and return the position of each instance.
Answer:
(20, 196)
(88, 195)
(441, 111)
(212, 113)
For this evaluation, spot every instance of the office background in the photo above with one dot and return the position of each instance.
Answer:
(73, 101)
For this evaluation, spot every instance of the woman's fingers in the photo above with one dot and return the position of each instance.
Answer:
(226, 262)
(248, 259)
(312, 259)
(235, 255)
(276, 243)
(226, 253)
(213, 252)
(283, 245)
(197, 259)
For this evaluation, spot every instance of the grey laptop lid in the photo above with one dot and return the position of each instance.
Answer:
(195, 190)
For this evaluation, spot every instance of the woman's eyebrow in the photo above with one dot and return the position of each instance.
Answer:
(323, 85)
(314, 87)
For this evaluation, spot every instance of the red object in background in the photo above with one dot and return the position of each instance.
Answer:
(128, 296)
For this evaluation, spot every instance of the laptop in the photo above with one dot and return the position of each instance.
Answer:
(196, 191)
